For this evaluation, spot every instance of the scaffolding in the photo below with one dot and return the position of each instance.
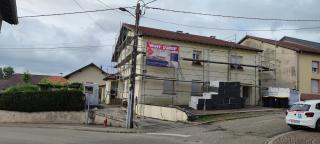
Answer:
(210, 59)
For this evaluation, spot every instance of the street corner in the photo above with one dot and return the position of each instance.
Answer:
(297, 137)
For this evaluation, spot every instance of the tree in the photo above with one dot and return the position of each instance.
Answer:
(8, 72)
(26, 77)
(1, 73)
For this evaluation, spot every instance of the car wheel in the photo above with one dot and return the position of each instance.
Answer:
(318, 125)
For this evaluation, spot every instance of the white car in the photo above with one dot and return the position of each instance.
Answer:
(304, 114)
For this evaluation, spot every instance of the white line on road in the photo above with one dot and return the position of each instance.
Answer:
(169, 134)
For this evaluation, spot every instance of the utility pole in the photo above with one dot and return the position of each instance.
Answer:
(130, 107)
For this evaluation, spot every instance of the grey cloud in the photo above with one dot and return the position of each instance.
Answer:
(102, 27)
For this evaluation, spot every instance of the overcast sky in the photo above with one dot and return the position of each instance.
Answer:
(99, 30)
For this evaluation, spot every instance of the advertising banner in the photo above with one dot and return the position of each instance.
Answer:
(162, 55)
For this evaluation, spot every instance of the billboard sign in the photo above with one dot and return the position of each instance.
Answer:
(162, 55)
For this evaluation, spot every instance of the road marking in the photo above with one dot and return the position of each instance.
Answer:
(169, 134)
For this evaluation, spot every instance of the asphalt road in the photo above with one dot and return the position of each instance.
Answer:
(15, 135)
(255, 130)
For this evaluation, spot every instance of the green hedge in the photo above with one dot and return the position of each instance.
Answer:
(71, 100)
(22, 88)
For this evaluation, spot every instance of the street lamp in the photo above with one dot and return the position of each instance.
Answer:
(125, 10)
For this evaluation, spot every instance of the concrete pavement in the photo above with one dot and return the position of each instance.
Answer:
(254, 130)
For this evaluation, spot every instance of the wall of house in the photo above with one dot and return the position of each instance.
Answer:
(90, 74)
(162, 113)
(283, 60)
(151, 91)
(305, 71)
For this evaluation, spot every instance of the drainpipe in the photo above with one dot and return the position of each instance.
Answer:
(229, 65)
(298, 69)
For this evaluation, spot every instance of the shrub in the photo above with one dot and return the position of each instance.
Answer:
(70, 100)
(22, 88)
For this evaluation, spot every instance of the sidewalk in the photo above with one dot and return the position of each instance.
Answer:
(296, 137)
(232, 111)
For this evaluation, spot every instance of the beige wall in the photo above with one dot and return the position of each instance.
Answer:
(151, 91)
(90, 74)
(305, 73)
(162, 113)
(283, 60)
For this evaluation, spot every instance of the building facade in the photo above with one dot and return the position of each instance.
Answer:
(296, 66)
(173, 66)
(90, 73)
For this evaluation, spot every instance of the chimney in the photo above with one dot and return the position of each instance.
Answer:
(213, 37)
(100, 66)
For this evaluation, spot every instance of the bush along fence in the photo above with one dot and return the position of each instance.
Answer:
(64, 100)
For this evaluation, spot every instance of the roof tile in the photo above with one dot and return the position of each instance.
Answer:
(152, 32)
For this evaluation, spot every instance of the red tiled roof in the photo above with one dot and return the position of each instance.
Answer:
(292, 46)
(57, 80)
(152, 32)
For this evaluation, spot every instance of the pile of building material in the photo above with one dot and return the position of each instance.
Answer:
(221, 95)
(276, 97)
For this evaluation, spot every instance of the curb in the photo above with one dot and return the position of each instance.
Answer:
(271, 140)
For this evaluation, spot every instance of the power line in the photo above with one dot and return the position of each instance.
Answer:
(229, 29)
(68, 13)
(90, 17)
(234, 17)
(50, 48)
(51, 44)
(106, 5)
(214, 28)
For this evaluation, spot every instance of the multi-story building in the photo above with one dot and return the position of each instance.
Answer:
(172, 66)
(296, 63)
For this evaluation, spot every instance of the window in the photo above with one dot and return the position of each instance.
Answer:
(168, 87)
(196, 56)
(300, 107)
(196, 89)
(236, 62)
(315, 66)
(318, 106)
(315, 86)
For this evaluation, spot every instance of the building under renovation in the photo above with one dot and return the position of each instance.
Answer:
(173, 66)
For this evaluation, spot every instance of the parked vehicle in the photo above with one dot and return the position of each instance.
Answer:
(304, 114)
